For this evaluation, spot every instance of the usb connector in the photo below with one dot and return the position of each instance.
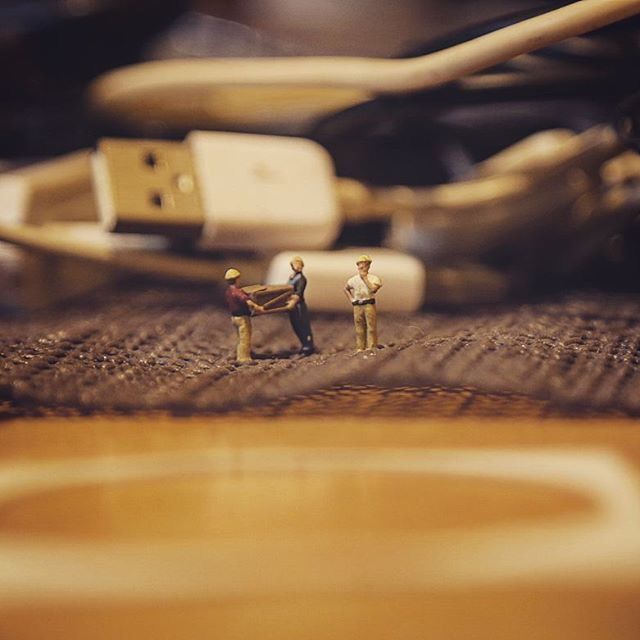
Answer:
(147, 186)
(235, 191)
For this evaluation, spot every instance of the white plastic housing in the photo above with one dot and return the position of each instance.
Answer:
(265, 192)
(403, 277)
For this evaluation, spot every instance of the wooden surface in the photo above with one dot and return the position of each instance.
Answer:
(335, 527)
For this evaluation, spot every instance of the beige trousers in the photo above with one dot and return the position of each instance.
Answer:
(243, 327)
(364, 317)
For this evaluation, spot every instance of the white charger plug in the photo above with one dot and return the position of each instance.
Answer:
(404, 277)
(229, 190)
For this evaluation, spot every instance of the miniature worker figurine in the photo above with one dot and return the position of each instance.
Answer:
(361, 290)
(298, 312)
(241, 306)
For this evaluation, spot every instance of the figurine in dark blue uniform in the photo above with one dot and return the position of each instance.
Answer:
(298, 312)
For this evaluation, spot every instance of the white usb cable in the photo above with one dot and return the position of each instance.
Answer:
(271, 91)
(231, 191)
(262, 195)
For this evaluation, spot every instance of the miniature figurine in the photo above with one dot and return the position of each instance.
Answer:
(241, 307)
(360, 291)
(298, 312)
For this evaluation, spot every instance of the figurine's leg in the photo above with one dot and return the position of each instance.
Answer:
(372, 325)
(243, 350)
(305, 335)
(296, 323)
(361, 327)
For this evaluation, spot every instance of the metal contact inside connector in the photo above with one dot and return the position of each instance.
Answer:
(150, 159)
(156, 199)
(149, 187)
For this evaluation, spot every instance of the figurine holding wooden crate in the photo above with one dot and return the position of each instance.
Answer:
(298, 311)
(241, 307)
(260, 299)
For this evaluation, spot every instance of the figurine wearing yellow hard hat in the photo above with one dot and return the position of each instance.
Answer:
(361, 291)
(241, 307)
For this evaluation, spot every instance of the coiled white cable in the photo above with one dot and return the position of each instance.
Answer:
(265, 91)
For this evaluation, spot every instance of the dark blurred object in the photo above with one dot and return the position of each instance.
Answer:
(50, 49)
(199, 35)
(628, 121)
(428, 138)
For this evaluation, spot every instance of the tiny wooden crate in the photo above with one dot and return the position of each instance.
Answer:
(272, 298)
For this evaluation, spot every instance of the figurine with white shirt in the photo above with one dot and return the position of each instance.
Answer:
(361, 291)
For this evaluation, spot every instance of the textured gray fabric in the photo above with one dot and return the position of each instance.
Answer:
(172, 349)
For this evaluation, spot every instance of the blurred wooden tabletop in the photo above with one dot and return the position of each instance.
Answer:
(332, 526)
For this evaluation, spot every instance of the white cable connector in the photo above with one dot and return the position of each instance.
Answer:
(58, 189)
(404, 277)
(231, 191)
(265, 194)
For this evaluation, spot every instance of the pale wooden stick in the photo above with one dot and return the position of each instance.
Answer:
(272, 310)
(277, 302)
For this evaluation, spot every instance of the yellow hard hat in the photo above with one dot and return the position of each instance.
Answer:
(231, 274)
(364, 258)
(297, 259)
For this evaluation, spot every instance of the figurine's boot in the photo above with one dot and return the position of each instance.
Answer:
(243, 326)
(306, 340)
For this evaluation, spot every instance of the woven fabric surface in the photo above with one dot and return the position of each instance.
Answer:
(169, 349)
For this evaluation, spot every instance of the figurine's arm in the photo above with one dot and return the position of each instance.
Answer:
(372, 286)
(292, 302)
(348, 292)
(256, 309)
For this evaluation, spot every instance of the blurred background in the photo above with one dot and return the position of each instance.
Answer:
(52, 50)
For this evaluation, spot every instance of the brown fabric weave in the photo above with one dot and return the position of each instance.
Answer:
(172, 350)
